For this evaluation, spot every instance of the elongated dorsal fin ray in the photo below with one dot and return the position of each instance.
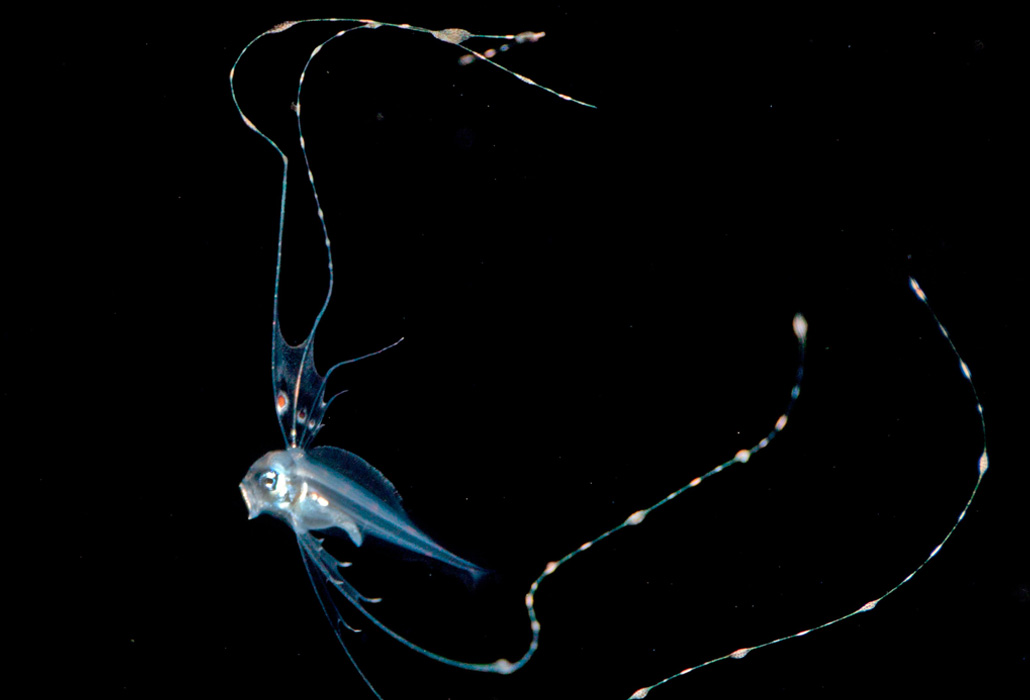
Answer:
(298, 388)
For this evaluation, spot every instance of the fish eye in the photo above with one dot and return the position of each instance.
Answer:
(268, 480)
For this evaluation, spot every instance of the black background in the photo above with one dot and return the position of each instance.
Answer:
(596, 307)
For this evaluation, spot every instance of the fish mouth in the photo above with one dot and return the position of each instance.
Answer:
(246, 499)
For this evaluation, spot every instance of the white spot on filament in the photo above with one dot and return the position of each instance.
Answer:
(781, 423)
(742, 456)
(503, 666)
(872, 603)
(800, 326)
(452, 35)
(740, 653)
(636, 518)
(551, 566)
(916, 288)
(531, 37)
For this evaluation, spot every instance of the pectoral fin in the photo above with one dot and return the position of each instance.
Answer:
(352, 530)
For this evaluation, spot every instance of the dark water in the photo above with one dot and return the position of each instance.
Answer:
(596, 307)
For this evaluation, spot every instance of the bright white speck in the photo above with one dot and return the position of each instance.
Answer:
(800, 327)
(636, 518)
(916, 288)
